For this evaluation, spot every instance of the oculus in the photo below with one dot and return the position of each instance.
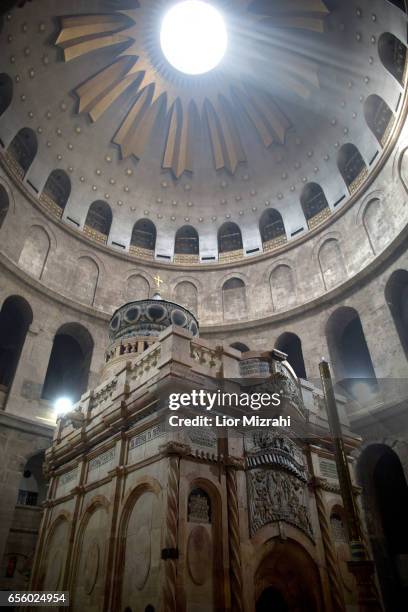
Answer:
(193, 37)
(250, 82)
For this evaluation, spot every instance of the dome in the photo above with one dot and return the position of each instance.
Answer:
(149, 318)
(271, 145)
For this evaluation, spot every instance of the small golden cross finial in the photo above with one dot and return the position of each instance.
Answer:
(158, 281)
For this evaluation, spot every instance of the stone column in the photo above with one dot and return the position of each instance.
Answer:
(236, 582)
(333, 570)
(25, 392)
(170, 553)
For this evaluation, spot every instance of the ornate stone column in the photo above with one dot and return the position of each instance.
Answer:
(333, 570)
(236, 582)
(174, 451)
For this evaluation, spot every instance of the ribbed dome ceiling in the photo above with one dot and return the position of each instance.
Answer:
(304, 100)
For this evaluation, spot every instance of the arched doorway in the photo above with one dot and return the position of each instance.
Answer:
(271, 600)
(385, 500)
(287, 580)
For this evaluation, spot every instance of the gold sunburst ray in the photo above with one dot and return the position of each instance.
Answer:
(139, 70)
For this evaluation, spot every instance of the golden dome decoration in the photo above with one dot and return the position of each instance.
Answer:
(212, 101)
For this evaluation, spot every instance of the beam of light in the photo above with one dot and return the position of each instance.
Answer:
(193, 37)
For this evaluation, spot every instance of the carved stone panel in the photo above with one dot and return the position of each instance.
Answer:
(199, 507)
(277, 496)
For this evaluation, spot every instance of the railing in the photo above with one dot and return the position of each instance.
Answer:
(95, 235)
(27, 498)
(319, 218)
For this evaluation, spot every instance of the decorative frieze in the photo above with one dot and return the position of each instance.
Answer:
(51, 206)
(277, 496)
(95, 235)
(68, 477)
(140, 252)
(231, 256)
(319, 218)
(356, 184)
(275, 243)
(147, 436)
(102, 459)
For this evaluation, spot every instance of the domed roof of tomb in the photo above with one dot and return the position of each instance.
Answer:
(115, 142)
(150, 317)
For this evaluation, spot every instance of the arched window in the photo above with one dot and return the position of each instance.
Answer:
(143, 237)
(186, 243)
(32, 489)
(351, 165)
(378, 116)
(385, 500)
(353, 368)
(56, 192)
(229, 239)
(239, 346)
(396, 295)
(291, 345)
(393, 54)
(22, 150)
(4, 204)
(6, 92)
(272, 229)
(199, 507)
(314, 204)
(234, 299)
(69, 364)
(98, 221)
(15, 318)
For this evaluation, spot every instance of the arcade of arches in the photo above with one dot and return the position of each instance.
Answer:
(164, 230)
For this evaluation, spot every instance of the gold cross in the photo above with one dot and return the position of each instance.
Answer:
(158, 281)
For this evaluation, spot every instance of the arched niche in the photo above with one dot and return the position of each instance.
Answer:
(32, 489)
(143, 237)
(385, 500)
(15, 318)
(314, 204)
(90, 564)
(34, 255)
(22, 151)
(137, 288)
(234, 301)
(377, 225)
(351, 165)
(331, 263)
(272, 229)
(393, 55)
(240, 346)
(85, 280)
(69, 364)
(229, 241)
(396, 296)
(287, 579)
(186, 244)
(53, 563)
(291, 344)
(4, 204)
(350, 356)
(186, 294)
(98, 221)
(6, 92)
(139, 551)
(204, 547)
(378, 116)
(56, 192)
(283, 287)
